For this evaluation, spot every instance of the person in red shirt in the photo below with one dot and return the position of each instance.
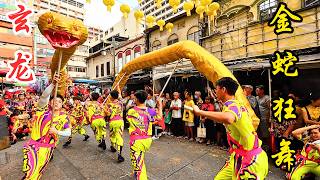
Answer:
(3, 110)
(209, 124)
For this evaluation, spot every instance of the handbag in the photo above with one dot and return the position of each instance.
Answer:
(201, 131)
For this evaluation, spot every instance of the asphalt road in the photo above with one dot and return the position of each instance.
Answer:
(169, 158)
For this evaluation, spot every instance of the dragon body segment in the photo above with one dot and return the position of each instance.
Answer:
(202, 60)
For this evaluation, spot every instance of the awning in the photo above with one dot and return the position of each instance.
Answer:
(160, 75)
(86, 81)
(309, 61)
(105, 81)
(245, 65)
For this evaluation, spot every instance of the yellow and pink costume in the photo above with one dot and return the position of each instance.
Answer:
(77, 120)
(116, 124)
(140, 131)
(307, 162)
(96, 116)
(38, 150)
(247, 159)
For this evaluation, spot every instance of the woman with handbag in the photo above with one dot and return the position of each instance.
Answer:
(209, 125)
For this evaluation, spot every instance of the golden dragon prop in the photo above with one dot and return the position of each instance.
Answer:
(65, 34)
(202, 60)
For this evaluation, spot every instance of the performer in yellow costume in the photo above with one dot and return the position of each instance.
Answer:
(247, 159)
(96, 116)
(77, 120)
(140, 119)
(44, 137)
(116, 124)
(309, 160)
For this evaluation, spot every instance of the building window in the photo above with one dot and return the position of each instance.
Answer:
(111, 30)
(156, 45)
(128, 56)
(119, 62)
(308, 3)
(267, 8)
(137, 51)
(108, 68)
(173, 39)
(102, 70)
(194, 34)
(97, 70)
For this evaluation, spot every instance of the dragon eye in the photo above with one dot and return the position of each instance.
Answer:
(49, 21)
(76, 28)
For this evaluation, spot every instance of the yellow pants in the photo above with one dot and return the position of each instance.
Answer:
(99, 128)
(137, 152)
(257, 170)
(304, 167)
(116, 131)
(79, 129)
(35, 160)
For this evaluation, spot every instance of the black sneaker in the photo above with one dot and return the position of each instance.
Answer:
(86, 137)
(102, 145)
(51, 158)
(112, 149)
(120, 158)
(66, 144)
(13, 142)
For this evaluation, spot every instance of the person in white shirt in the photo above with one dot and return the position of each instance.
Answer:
(150, 102)
(177, 124)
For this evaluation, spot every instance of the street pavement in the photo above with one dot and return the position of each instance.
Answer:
(169, 158)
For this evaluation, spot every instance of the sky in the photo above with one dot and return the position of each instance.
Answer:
(98, 16)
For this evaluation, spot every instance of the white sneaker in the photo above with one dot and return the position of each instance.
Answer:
(154, 137)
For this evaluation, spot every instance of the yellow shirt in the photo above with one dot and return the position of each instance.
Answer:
(188, 115)
(241, 130)
(95, 111)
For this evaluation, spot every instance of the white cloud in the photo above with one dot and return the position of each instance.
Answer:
(98, 16)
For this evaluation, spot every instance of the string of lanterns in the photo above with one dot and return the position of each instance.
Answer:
(202, 6)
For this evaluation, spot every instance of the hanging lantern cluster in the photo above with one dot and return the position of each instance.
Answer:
(159, 3)
(188, 6)
(138, 15)
(109, 4)
(125, 9)
(196, 2)
(200, 10)
(205, 3)
(150, 21)
(212, 10)
(169, 27)
(161, 23)
(209, 7)
(174, 4)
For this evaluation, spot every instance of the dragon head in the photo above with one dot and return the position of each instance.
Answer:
(62, 31)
